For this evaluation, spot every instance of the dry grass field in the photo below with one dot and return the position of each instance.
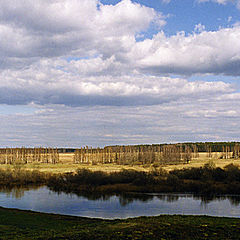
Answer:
(66, 164)
(203, 159)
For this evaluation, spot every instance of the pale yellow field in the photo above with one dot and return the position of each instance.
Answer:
(66, 164)
(203, 159)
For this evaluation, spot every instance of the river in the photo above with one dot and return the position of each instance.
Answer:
(118, 206)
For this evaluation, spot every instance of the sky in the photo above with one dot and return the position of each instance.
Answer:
(89, 72)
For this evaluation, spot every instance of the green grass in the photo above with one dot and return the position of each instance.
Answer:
(17, 224)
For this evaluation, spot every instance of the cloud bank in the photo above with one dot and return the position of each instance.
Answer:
(88, 74)
(87, 53)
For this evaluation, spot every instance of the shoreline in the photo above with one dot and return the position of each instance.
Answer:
(25, 224)
(207, 180)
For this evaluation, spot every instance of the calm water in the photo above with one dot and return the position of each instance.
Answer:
(44, 200)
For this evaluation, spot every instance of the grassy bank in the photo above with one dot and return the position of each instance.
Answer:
(17, 224)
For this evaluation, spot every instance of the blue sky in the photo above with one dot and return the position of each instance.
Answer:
(184, 15)
(75, 73)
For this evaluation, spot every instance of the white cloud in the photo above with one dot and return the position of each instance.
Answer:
(208, 52)
(183, 120)
(61, 28)
(236, 24)
(166, 1)
(199, 28)
(57, 54)
(217, 1)
(85, 82)
(58, 27)
(126, 18)
(213, 113)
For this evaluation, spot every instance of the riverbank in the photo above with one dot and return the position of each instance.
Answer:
(207, 180)
(18, 224)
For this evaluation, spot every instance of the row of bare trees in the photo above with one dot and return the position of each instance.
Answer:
(143, 154)
(167, 154)
(226, 153)
(148, 154)
(28, 155)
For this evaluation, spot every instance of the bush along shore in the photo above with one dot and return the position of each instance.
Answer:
(204, 180)
(18, 177)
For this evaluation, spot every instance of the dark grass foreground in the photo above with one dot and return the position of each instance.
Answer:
(17, 224)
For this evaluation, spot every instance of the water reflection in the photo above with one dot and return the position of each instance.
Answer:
(118, 206)
(234, 199)
(124, 198)
(127, 198)
(205, 199)
(168, 197)
(17, 192)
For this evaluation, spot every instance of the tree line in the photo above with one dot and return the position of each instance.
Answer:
(122, 155)
(28, 155)
(167, 154)
(149, 154)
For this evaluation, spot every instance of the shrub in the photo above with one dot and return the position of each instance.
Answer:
(233, 172)
(209, 165)
(172, 180)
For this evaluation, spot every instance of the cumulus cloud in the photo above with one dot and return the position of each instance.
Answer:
(58, 27)
(93, 80)
(207, 52)
(31, 31)
(62, 84)
(85, 53)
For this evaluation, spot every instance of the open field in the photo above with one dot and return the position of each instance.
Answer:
(203, 159)
(17, 224)
(66, 164)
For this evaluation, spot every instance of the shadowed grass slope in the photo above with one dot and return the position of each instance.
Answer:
(17, 224)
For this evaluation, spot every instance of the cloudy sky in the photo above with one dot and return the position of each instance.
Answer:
(89, 72)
